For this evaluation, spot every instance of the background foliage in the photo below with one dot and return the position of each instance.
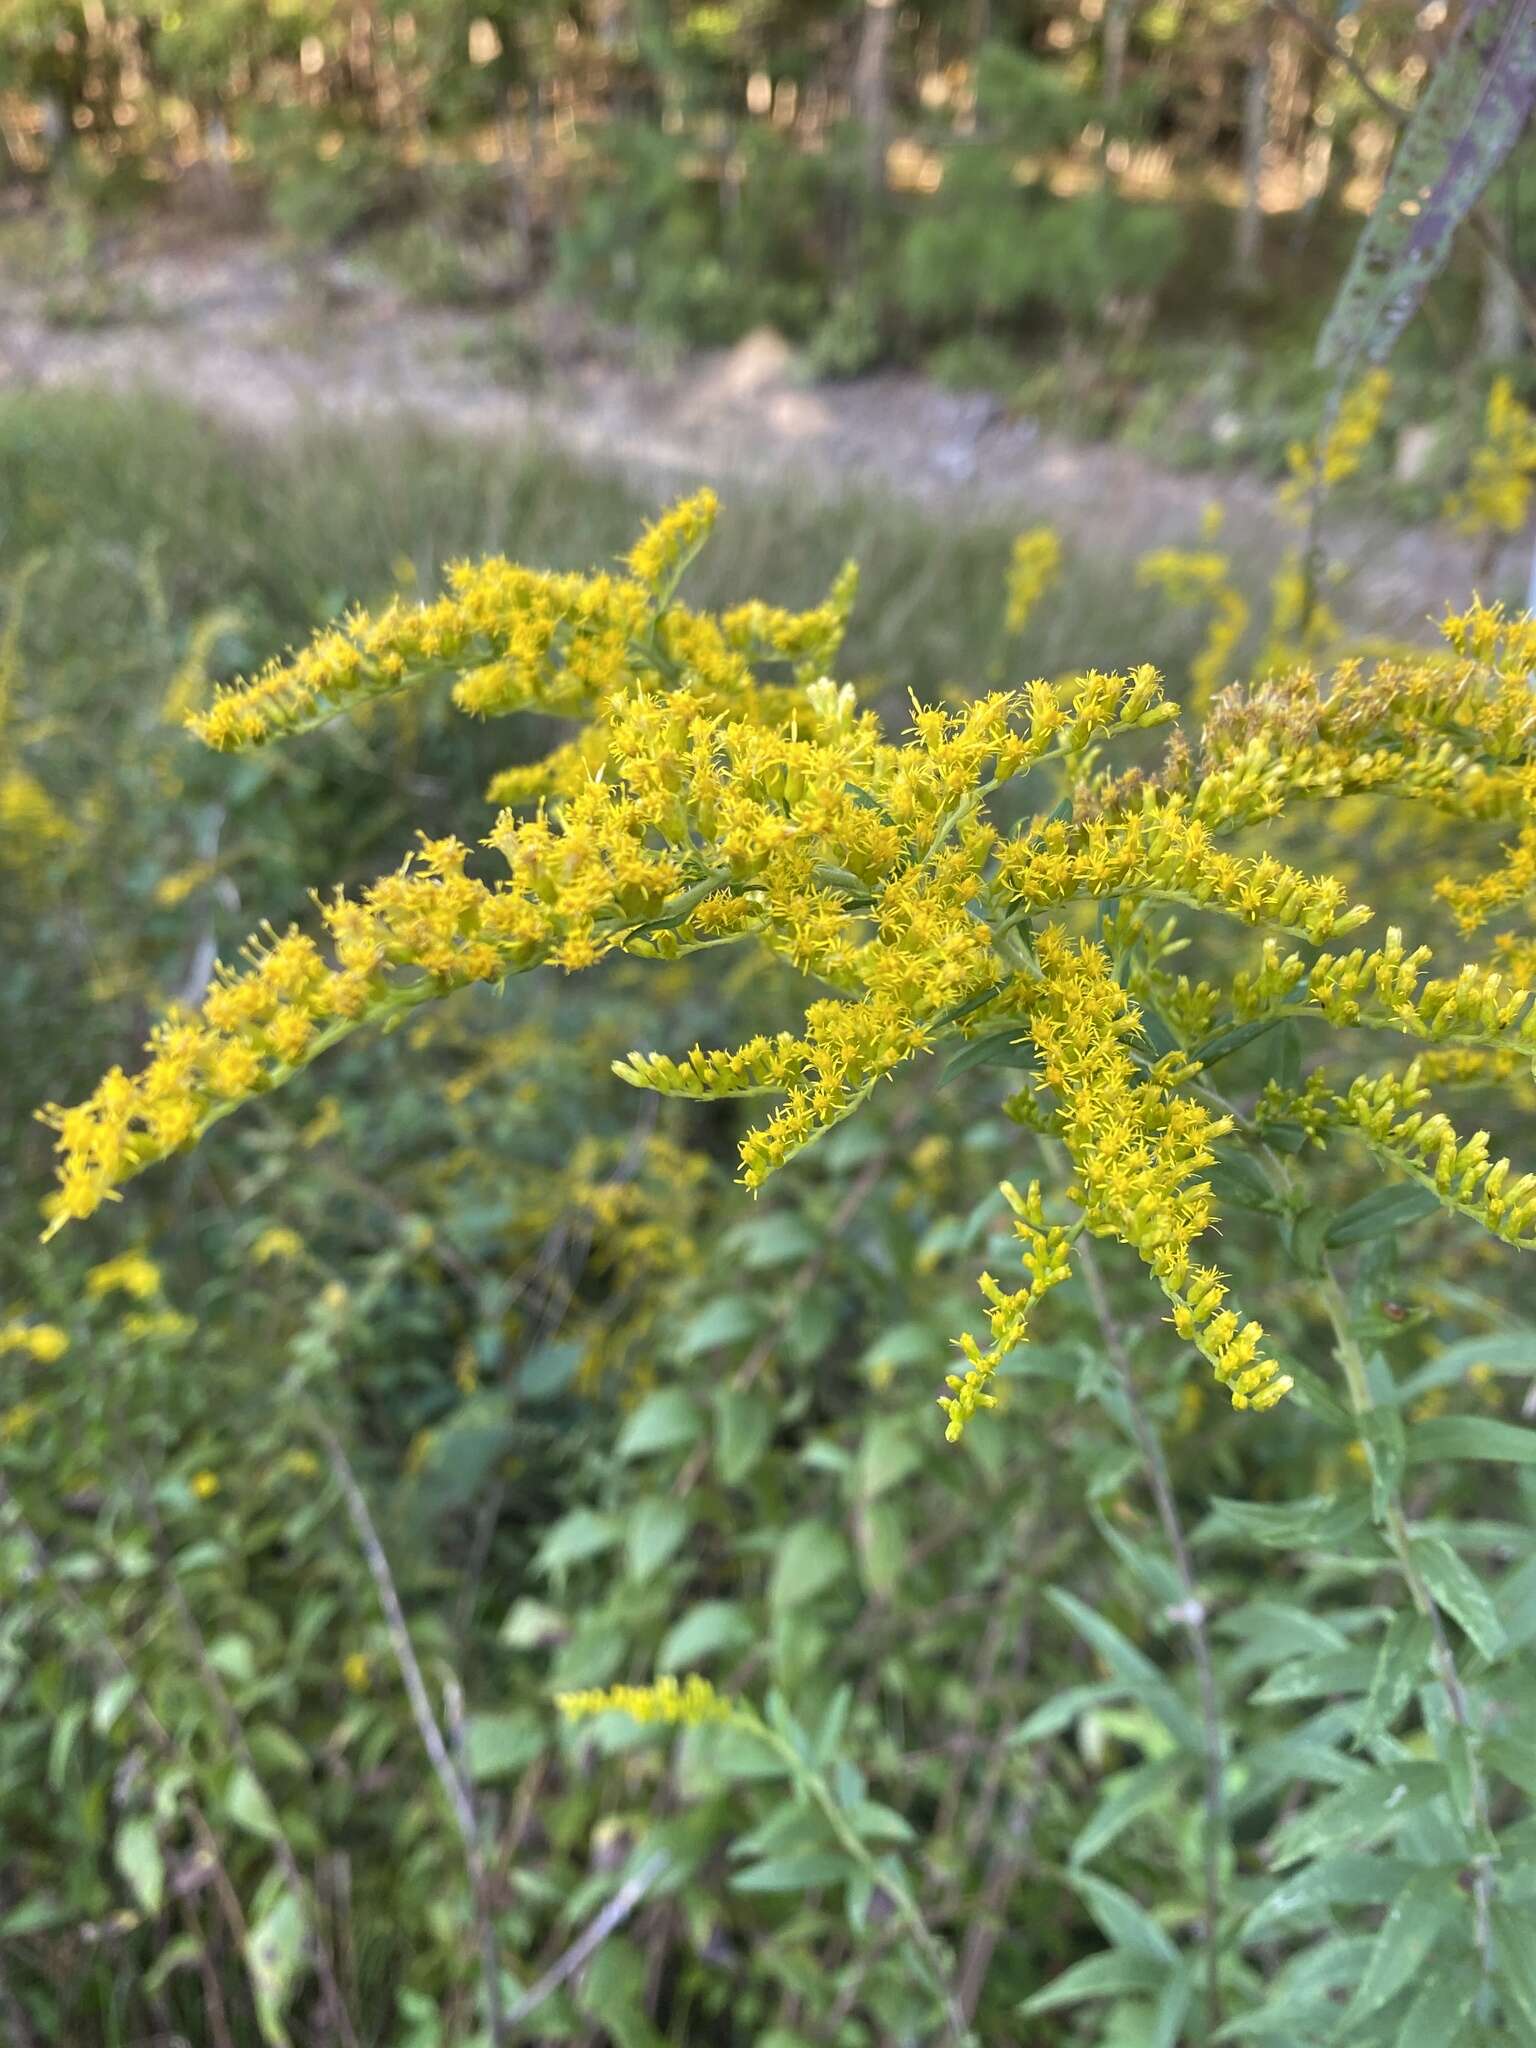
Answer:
(611, 1417)
(465, 1376)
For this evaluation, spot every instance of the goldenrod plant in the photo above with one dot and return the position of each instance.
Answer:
(725, 788)
(1122, 1716)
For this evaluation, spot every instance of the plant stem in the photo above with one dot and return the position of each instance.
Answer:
(1190, 1614)
(454, 1782)
(1394, 1526)
(935, 1964)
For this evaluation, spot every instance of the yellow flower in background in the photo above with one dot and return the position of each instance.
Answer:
(165, 1322)
(1339, 451)
(1496, 497)
(687, 1702)
(357, 1671)
(301, 1463)
(205, 1484)
(44, 1343)
(276, 1242)
(15, 1422)
(176, 888)
(131, 1273)
(1033, 568)
(325, 1123)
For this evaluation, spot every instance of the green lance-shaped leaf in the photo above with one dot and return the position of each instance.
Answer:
(1472, 114)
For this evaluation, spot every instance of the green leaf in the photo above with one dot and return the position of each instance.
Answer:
(1459, 1592)
(782, 1239)
(1223, 1043)
(728, 1319)
(1320, 1521)
(744, 1425)
(581, 1534)
(1443, 2005)
(1316, 1677)
(1516, 1964)
(1306, 1234)
(248, 1805)
(1125, 1798)
(712, 1628)
(1471, 1436)
(1126, 1924)
(664, 1421)
(1514, 1352)
(501, 1745)
(1405, 1940)
(234, 1658)
(61, 1742)
(882, 1538)
(1381, 1214)
(612, 1994)
(136, 1852)
(1116, 1975)
(874, 1821)
(1139, 1675)
(888, 1451)
(1359, 1814)
(812, 1556)
(798, 1873)
(1471, 115)
(180, 1954)
(1400, 1662)
(1313, 1393)
(549, 1369)
(110, 1701)
(789, 1828)
(995, 1049)
(1335, 1880)
(1066, 1707)
(1171, 2010)
(274, 1956)
(654, 1533)
(1239, 1184)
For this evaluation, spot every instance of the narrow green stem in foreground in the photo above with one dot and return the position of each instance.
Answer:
(1190, 1614)
(1394, 1526)
(931, 1959)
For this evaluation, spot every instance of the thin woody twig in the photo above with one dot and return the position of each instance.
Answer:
(586, 1944)
(453, 1781)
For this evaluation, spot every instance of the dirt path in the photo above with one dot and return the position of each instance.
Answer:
(257, 339)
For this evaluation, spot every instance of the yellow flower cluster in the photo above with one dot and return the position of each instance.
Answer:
(1462, 1173)
(1033, 568)
(688, 1701)
(277, 1243)
(30, 821)
(43, 1343)
(701, 805)
(1047, 1259)
(1195, 579)
(1497, 495)
(1139, 1147)
(1340, 449)
(1480, 1008)
(665, 549)
(1162, 852)
(131, 1273)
